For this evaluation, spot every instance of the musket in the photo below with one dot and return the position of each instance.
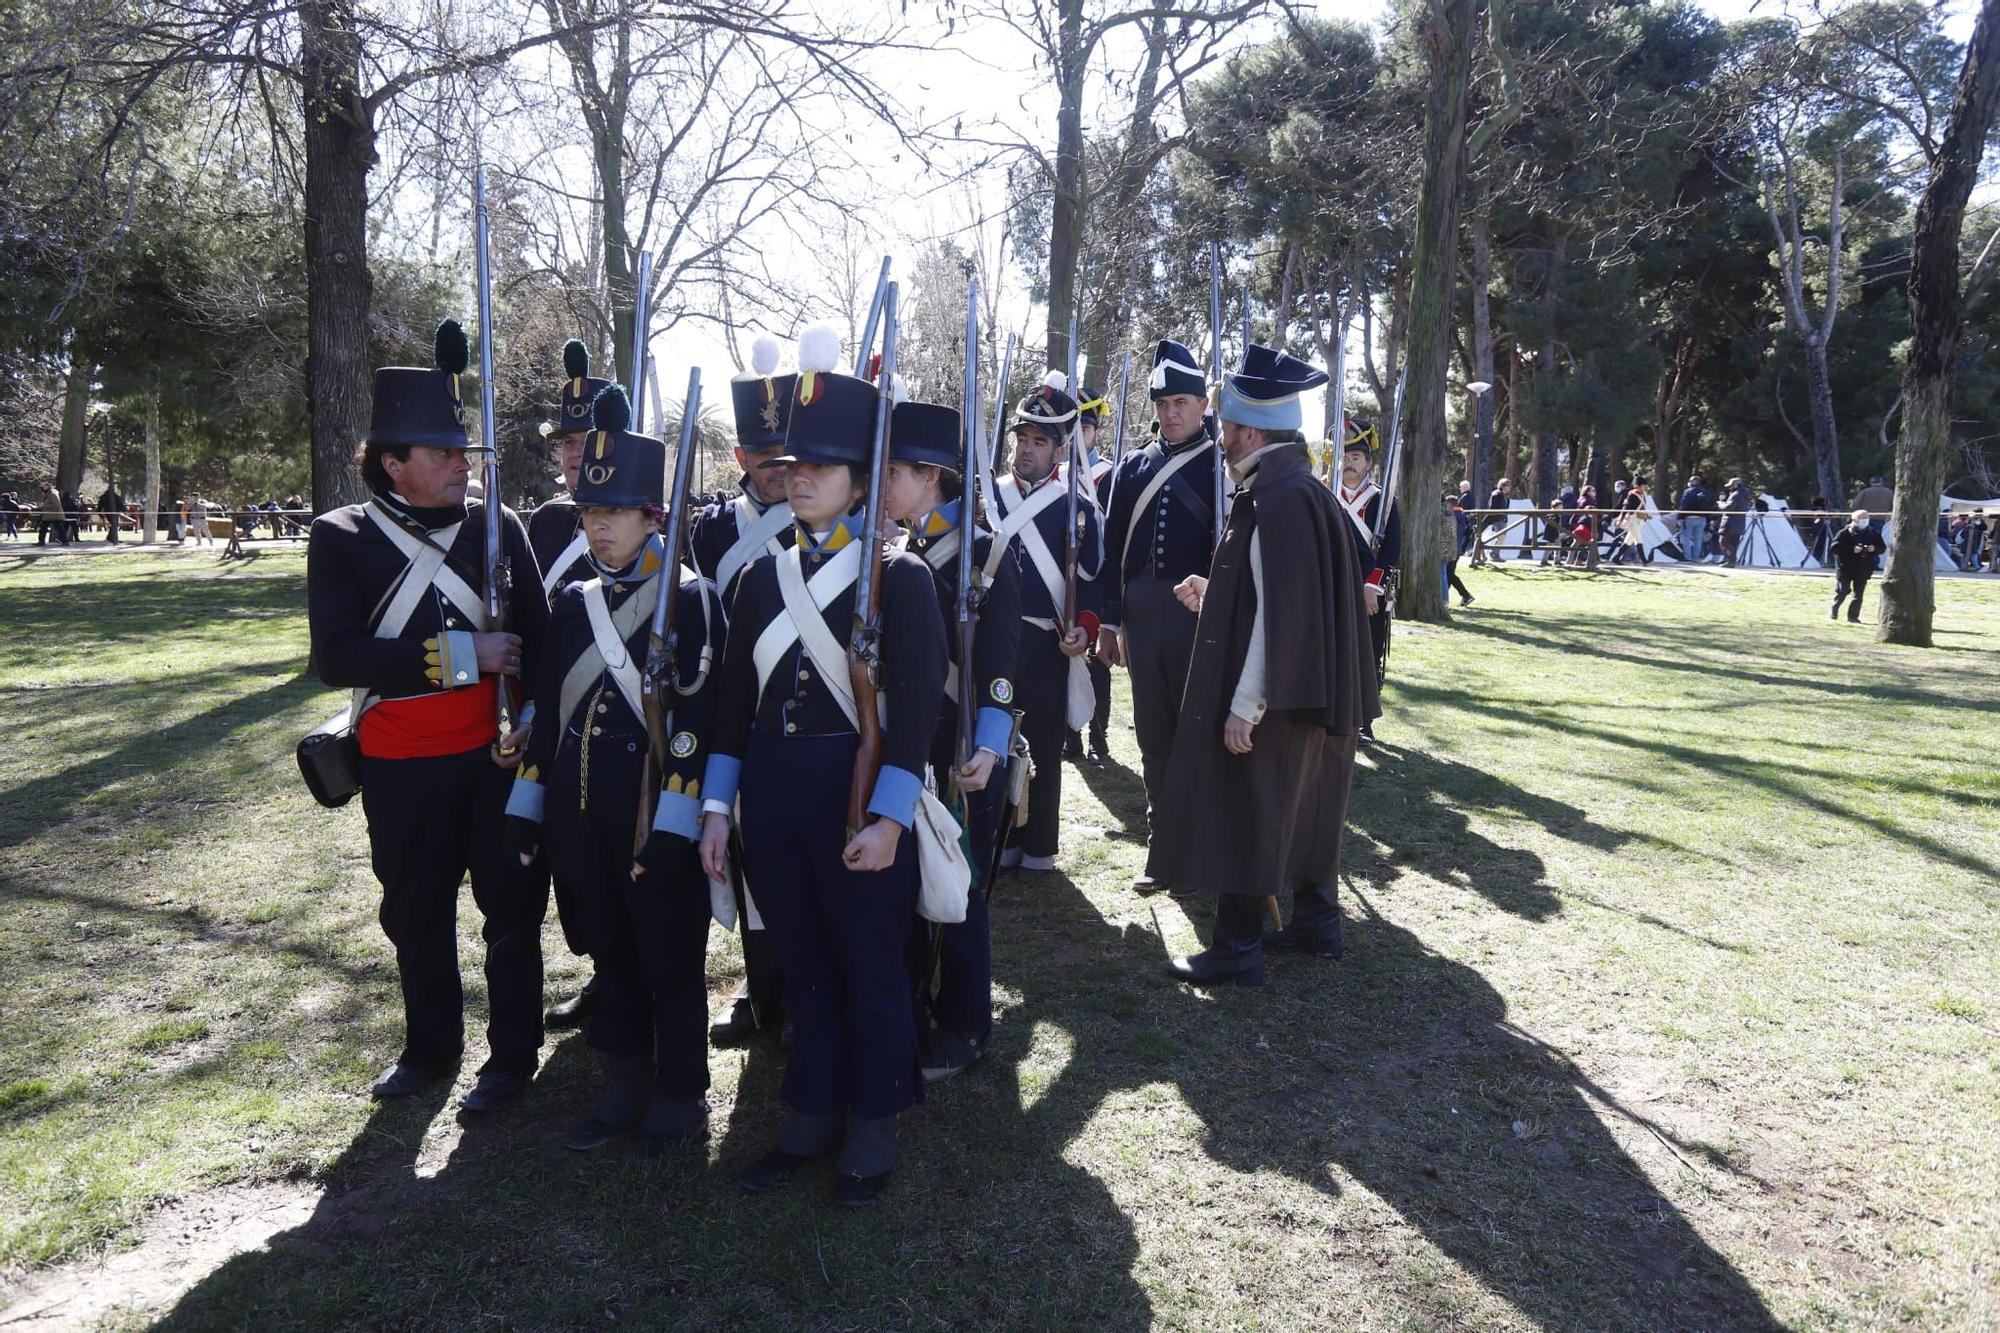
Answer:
(499, 566)
(1070, 444)
(967, 607)
(1338, 444)
(874, 317)
(663, 638)
(1215, 369)
(1118, 410)
(992, 458)
(864, 655)
(642, 315)
(1392, 457)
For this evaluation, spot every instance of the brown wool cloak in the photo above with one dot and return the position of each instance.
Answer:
(1256, 823)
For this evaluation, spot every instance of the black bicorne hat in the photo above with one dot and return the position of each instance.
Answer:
(1361, 437)
(415, 405)
(926, 433)
(1092, 406)
(620, 470)
(1047, 406)
(1175, 370)
(579, 391)
(763, 398)
(833, 415)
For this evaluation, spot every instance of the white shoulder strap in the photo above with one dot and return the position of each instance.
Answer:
(560, 566)
(1355, 507)
(833, 578)
(1022, 516)
(1160, 479)
(611, 645)
(427, 570)
(753, 536)
(804, 607)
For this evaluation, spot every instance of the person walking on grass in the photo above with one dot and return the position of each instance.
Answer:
(1456, 528)
(1854, 550)
(194, 520)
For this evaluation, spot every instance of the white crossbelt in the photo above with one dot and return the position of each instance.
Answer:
(803, 606)
(754, 536)
(570, 555)
(1354, 507)
(1160, 478)
(1079, 688)
(427, 569)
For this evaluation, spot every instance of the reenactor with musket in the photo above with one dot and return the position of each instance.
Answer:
(1160, 527)
(1097, 472)
(1060, 599)
(728, 535)
(1362, 500)
(830, 776)
(397, 598)
(562, 550)
(1278, 691)
(644, 914)
(929, 497)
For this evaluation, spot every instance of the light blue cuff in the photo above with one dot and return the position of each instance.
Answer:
(719, 779)
(679, 813)
(525, 801)
(461, 659)
(993, 730)
(896, 793)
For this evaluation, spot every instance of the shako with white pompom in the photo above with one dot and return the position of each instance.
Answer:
(560, 549)
(733, 529)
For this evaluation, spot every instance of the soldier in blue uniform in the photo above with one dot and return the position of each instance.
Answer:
(837, 901)
(645, 916)
(1362, 499)
(563, 552)
(396, 602)
(1090, 411)
(1159, 528)
(926, 495)
(1031, 513)
(727, 536)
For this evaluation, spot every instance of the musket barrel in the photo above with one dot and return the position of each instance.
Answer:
(1215, 369)
(642, 317)
(968, 508)
(874, 318)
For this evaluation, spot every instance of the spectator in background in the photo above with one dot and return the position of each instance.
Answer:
(1819, 533)
(10, 506)
(72, 512)
(1499, 500)
(112, 505)
(1854, 550)
(1878, 499)
(1465, 519)
(194, 513)
(1457, 531)
(1975, 540)
(1697, 504)
(1631, 527)
(1734, 506)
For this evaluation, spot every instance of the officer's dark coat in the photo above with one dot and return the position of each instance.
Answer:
(550, 530)
(1250, 824)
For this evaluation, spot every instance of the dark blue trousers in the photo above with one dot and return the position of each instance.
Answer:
(963, 1001)
(839, 933)
(649, 940)
(431, 822)
(1041, 687)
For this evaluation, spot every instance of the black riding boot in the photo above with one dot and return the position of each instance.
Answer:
(1315, 927)
(1237, 954)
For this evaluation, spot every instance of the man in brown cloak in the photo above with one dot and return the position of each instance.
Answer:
(1281, 682)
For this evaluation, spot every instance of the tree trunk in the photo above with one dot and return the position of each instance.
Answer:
(1480, 456)
(75, 416)
(1066, 228)
(149, 528)
(1825, 434)
(1448, 38)
(340, 149)
(1937, 318)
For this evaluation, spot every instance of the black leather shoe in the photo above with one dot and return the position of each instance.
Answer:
(1099, 749)
(736, 1027)
(619, 1107)
(1072, 746)
(400, 1080)
(575, 1011)
(1237, 956)
(858, 1191)
(773, 1169)
(493, 1091)
(1305, 940)
(1146, 885)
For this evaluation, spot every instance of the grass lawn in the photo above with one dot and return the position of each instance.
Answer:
(1671, 999)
